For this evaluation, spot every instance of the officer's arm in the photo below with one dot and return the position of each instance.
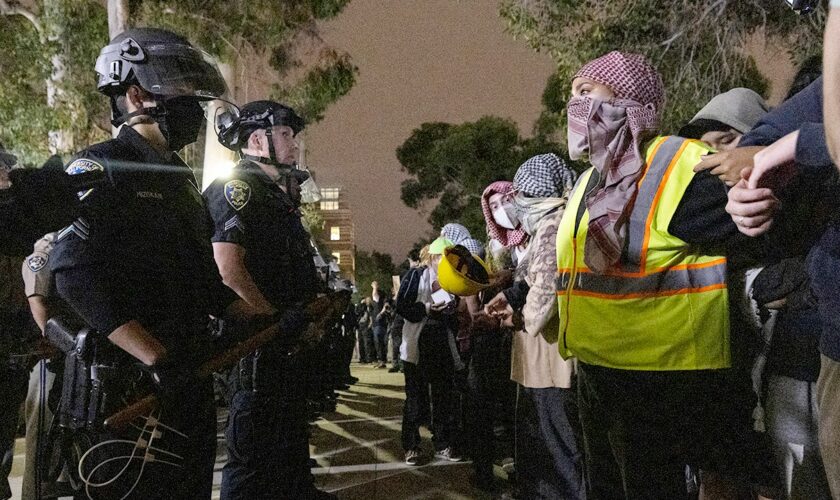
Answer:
(40, 310)
(230, 258)
(132, 338)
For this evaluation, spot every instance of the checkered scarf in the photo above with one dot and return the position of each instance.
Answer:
(507, 237)
(474, 246)
(456, 233)
(614, 134)
(544, 176)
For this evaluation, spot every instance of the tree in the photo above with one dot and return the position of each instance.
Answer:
(698, 46)
(370, 267)
(49, 47)
(452, 164)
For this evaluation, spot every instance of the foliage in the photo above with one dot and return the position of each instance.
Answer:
(454, 163)
(73, 31)
(698, 46)
(67, 31)
(334, 76)
(370, 267)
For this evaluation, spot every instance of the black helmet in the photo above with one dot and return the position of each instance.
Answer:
(233, 127)
(159, 61)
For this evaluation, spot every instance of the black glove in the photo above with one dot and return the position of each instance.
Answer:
(175, 381)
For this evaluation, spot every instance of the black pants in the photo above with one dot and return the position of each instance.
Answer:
(396, 341)
(12, 393)
(367, 352)
(380, 340)
(641, 429)
(549, 461)
(194, 415)
(435, 374)
(268, 449)
(483, 383)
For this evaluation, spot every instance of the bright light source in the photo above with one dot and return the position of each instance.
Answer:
(218, 169)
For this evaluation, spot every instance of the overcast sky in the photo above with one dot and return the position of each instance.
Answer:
(419, 61)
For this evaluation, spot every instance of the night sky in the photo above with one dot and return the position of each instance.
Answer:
(419, 61)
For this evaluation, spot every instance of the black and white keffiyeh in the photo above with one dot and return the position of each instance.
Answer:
(544, 176)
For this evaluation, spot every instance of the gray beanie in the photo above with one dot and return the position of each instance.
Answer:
(739, 109)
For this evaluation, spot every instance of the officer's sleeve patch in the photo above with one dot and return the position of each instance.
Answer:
(237, 193)
(234, 222)
(37, 261)
(81, 166)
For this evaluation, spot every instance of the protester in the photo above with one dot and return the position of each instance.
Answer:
(427, 358)
(364, 315)
(548, 456)
(651, 369)
(496, 202)
(792, 180)
(381, 314)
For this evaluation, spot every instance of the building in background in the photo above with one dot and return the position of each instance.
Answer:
(339, 235)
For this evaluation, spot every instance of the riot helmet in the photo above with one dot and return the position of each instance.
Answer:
(235, 126)
(166, 65)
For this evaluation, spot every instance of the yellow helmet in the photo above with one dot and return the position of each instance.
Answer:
(462, 273)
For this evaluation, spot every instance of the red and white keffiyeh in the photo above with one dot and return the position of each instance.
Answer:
(613, 133)
(507, 237)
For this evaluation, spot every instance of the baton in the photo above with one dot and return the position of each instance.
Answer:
(320, 311)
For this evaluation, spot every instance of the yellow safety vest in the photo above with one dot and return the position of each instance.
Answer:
(666, 307)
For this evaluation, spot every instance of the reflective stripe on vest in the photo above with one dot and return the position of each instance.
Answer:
(676, 280)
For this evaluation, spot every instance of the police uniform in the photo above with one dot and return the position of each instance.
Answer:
(267, 434)
(17, 338)
(141, 251)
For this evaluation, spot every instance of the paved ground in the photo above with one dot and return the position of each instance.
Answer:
(358, 449)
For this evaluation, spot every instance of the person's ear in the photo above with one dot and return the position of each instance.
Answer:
(135, 96)
(255, 141)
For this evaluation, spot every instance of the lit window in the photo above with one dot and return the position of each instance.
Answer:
(329, 205)
(335, 233)
(330, 193)
(337, 257)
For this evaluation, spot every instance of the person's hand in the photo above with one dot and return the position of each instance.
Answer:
(438, 308)
(728, 165)
(752, 210)
(497, 305)
(774, 165)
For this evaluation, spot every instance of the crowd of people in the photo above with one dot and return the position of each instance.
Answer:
(671, 309)
(663, 324)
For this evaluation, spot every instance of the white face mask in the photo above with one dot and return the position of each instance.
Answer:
(502, 216)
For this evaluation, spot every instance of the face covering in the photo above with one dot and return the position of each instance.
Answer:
(182, 122)
(500, 215)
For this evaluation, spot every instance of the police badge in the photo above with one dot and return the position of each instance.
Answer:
(237, 193)
(81, 166)
(37, 262)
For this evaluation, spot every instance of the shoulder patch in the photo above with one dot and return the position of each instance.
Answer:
(237, 193)
(81, 166)
(37, 261)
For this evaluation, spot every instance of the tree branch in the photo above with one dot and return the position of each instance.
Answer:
(16, 10)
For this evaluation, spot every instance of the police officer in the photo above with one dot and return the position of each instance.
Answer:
(17, 336)
(137, 266)
(263, 253)
(35, 201)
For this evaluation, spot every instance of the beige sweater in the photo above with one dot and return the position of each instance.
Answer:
(536, 361)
